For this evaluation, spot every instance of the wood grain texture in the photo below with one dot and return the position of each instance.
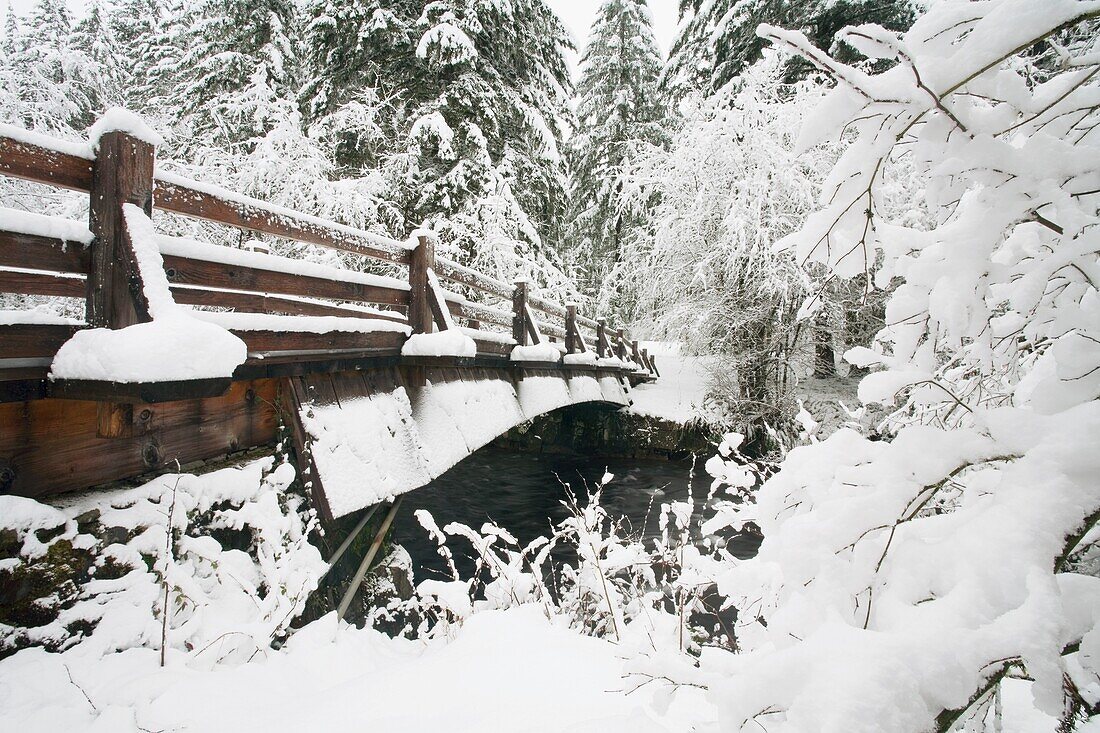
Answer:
(51, 445)
(41, 283)
(258, 217)
(43, 253)
(34, 163)
(188, 271)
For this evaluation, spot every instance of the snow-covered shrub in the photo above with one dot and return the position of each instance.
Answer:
(708, 274)
(900, 581)
(217, 565)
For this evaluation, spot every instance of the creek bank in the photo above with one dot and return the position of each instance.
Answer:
(596, 430)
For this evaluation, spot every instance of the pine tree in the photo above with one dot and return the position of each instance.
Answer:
(104, 67)
(718, 39)
(50, 90)
(226, 67)
(477, 100)
(618, 115)
(135, 25)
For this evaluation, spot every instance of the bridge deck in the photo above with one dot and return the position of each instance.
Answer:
(454, 356)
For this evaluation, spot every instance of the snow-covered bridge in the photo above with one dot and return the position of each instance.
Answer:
(386, 375)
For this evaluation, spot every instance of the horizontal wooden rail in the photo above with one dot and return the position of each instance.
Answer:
(176, 196)
(482, 313)
(24, 340)
(42, 253)
(263, 341)
(250, 302)
(451, 270)
(29, 282)
(189, 271)
(21, 158)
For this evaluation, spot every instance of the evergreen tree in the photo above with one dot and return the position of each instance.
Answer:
(478, 101)
(227, 67)
(106, 70)
(135, 25)
(718, 37)
(50, 86)
(618, 115)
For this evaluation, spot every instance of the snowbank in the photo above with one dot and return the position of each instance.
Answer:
(452, 342)
(173, 346)
(678, 394)
(537, 352)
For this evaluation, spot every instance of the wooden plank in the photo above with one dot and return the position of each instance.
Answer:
(41, 283)
(519, 313)
(249, 302)
(451, 270)
(294, 393)
(42, 253)
(188, 271)
(51, 444)
(303, 341)
(147, 392)
(42, 165)
(482, 313)
(37, 339)
(259, 216)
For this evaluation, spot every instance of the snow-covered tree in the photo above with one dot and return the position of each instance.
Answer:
(619, 113)
(477, 98)
(901, 581)
(230, 66)
(107, 68)
(717, 39)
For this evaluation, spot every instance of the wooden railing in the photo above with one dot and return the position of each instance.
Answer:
(39, 261)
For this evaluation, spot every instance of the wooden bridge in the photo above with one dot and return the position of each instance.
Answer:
(337, 355)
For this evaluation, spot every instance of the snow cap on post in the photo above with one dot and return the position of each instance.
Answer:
(118, 119)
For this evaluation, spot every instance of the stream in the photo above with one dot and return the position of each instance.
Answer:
(523, 493)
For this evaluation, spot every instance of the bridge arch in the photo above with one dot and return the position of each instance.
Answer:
(368, 437)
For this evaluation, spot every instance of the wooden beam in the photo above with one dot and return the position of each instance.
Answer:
(420, 311)
(188, 271)
(122, 174)
(43, 165)
(620, 344)
(571, 329)
(249, 302)
(451, 270)
(41, 283)
(43, 253)
(519, 313)
(258, 216)
(601, 339)
(258, 341)
(33, 340)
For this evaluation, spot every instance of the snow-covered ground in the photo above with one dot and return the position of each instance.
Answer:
(505, 671)
(678, 394)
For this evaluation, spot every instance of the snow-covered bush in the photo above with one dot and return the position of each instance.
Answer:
(708, 274)
(217, 565)
(901, 581)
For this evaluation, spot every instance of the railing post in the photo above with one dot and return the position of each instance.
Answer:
(645, 360)
(420, 311)
(620, 344)
(122, 173)
(519, 312)
(636, 355)
(571, 328)
(601, 338)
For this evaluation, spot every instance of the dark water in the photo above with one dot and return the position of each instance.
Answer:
(523, 493)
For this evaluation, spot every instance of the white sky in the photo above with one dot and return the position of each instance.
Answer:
(577, 15)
